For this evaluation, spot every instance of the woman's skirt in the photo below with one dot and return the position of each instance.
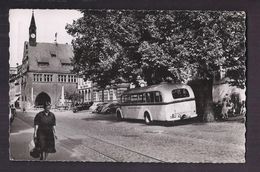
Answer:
(45, 140)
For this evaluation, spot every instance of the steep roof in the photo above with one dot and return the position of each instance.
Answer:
(57, 56)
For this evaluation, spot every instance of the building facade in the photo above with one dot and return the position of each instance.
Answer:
(14, 86)
(90, 92)
(46, 72)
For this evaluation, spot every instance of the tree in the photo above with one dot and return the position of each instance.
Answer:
(74, 97)
(178, 46)
(95, 53)
(217, 40)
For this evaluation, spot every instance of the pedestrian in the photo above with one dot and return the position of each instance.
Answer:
(225, 109)
(225, 106)
(44, 131)
(243, 109)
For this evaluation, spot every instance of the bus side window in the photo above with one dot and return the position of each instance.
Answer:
(140, 98)
(122, 99)
(128, 99)
(133, 98)
(148, 97)
(144, 97)
(152, 94)
(158, 96)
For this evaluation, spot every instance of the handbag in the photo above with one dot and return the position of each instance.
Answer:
(34, 151)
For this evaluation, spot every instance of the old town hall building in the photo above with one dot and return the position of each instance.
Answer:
(46, 72)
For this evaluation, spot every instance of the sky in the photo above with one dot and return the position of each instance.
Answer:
(48, 22)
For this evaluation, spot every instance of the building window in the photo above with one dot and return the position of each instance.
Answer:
(40, 77)
(59, 78)
(47, 78)
(50, 78)
(111, 94)
(34, 77)
(62, 78)
(37, 77)
(89, 95)
(69, 78)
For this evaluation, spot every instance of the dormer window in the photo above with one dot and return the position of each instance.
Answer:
(53, 53)
(43, 63)
(65, 64)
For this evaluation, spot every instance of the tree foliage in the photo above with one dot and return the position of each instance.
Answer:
(112, 45)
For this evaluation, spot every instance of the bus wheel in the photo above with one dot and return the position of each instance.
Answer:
(119, 116)
(147, 118)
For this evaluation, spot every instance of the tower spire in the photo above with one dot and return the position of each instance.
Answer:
(32, 20)
(32, 31)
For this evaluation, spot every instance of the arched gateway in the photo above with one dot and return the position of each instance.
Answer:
(42, 98)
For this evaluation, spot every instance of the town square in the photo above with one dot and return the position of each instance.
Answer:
(159, 86)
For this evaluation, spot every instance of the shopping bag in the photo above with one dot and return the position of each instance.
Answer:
(31, 145)
(34, 151)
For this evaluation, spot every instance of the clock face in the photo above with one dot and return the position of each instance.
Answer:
(32, 35)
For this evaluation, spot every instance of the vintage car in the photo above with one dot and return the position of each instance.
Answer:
(109, 108)
(99, 107)
(82, 106)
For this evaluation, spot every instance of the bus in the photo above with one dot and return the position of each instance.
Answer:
(163, 102)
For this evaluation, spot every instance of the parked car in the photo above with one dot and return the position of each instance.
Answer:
(93, 106)
(99, 108)
(82, 106)
(109, 108)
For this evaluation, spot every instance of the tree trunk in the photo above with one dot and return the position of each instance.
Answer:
(208, 115)
(203, 95)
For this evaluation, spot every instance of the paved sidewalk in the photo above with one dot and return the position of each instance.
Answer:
(20, 137)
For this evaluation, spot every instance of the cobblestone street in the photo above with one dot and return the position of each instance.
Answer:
(85, 136)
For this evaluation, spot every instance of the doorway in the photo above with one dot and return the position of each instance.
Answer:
(41, 99)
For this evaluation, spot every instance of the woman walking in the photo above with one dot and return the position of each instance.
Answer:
(44, 131)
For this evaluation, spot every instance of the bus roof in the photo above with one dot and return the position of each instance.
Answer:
(163, 87)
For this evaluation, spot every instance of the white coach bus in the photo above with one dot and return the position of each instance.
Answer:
(163, 102)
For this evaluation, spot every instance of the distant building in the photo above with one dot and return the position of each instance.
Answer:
(85, 90)
(111, 93)
(12, 72)
(90, 92)
(46, 72)
(14, 85)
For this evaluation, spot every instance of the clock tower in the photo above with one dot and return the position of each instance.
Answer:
(32, 32)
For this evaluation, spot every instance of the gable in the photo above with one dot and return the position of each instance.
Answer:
(50, 56)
